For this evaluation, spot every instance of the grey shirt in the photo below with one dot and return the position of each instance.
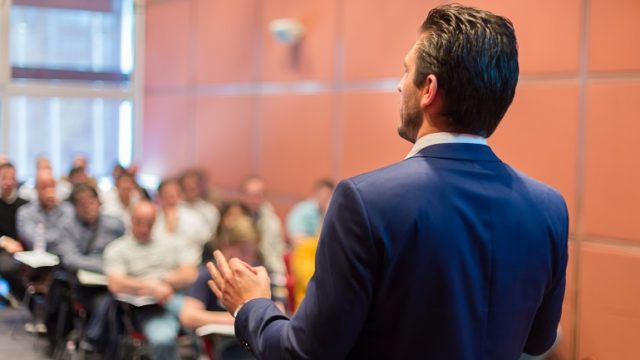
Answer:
(81, 245)
(151, 260)
(32, 214)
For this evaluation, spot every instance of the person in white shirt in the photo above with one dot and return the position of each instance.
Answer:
(140, 264)
(272, 245)
(179, 223)
(121, 199)
(193, 186)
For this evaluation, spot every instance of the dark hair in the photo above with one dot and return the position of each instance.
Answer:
(125, 175)
(76, 170)
(201, 180)
(474, 56)
(166, 182)
(7, 165)
(322, 183)
(81, 188)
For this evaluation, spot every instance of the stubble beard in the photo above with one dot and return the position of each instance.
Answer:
(410, 123)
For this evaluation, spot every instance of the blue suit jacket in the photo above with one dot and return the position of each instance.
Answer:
(450, 254)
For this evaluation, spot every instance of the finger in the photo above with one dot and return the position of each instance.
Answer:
(239, 267)
(215, 289)
(222, 264)
(261, 271)
(215, 274)
(248, 266)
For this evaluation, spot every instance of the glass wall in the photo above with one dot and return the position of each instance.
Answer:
(66, 83)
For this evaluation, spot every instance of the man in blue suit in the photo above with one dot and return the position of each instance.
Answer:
(449, 254)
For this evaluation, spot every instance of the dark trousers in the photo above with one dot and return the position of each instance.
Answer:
(11, 270)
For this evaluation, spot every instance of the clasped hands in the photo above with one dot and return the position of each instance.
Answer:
(158, 289)
(235, 282)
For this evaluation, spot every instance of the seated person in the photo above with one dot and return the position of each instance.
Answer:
(28, 189)
(86, 235)
(39, 222)
(82, 243)
(77, 175)
(303, 265)
(238, 238)
(272, 244)
(39, 225)
(139, 264)
(179, 223)
(230, 212)
(10, 202)
(119, 200)
(305, 218)
(193, 184)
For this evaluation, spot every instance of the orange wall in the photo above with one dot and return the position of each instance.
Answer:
(223, 94)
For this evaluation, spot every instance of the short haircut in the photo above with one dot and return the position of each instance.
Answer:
(76, 170)
(191, 173)
(82, 188)
(474, 56)
(166, 182)
(324, 183)
(7, 165)
(125, 175)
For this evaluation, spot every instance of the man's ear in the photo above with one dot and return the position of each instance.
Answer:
(429, 91)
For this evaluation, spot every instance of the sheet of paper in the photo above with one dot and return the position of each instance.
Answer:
(136, 300)
(86, 277)
(37, 259)
(215, 329)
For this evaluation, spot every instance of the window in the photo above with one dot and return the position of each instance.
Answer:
(66, 83)
(74, 44)
(65, 127)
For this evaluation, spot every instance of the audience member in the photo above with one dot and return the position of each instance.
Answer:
(84, 238)
(180, 223)
(303, 266)
(80, 161)
(238, 238)
(305, 218)
(230, 212)
(120, 200)
(10, 243)
(193, 185)
(140, 264)
(77, 176)
(28, 191)
(86, 235)
(38, 222)
(133, 170)
(272, 245)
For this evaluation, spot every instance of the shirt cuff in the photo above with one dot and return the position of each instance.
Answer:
(235, 313)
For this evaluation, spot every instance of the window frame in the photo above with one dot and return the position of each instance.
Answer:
(21, 81)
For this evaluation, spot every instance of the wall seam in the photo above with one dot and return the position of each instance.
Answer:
(193, 80)
(580, 172)
(338, 81)
(256, 136)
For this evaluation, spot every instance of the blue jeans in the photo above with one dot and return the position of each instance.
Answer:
(160, 324)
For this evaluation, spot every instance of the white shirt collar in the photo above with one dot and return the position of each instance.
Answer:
(445, 138)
